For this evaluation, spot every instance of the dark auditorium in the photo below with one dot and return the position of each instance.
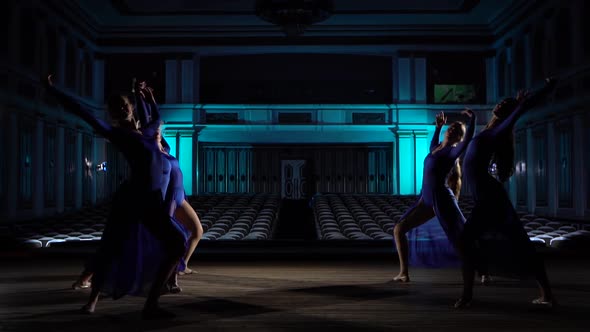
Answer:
(294, 165)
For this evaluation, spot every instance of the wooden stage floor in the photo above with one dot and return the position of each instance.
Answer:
(295, 294)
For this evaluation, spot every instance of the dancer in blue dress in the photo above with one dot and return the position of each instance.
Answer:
(494, 237)
(143, 252)
(139, 201)
(437, 198)
(177, 206)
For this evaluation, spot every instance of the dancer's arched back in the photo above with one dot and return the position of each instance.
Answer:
(437, 197)
(494, 237)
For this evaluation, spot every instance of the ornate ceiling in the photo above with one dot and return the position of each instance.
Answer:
(200, 22)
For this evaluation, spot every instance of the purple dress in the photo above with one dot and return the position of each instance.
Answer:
(495, 239)
(433, 243)
(137, 204)
(172, 188)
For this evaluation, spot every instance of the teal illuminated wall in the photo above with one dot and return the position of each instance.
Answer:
(406, 128)
(185, 159)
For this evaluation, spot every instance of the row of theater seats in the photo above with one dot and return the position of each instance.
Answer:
(237, 217)
(556, 234)
(361, 217)
(366, 217)
(224, 217)
(83, 225)
(254, 217)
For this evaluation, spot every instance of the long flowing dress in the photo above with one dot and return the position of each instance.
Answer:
(495, 239)
(173, 189)
(138, 203)
(434, 243)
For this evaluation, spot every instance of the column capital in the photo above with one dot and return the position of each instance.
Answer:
(197, 129)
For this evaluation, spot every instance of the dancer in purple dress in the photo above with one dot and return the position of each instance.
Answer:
(143, 251)
(139, 201)
(177, 206)
(494, 238)
(437, 197)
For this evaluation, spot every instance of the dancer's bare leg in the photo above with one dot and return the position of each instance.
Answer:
(468, 271)
(83, 281)
(546, 297)
(469, 258)
(151, 307)
(419, 215)
(173, 243)
(189, 219)
(90, 306)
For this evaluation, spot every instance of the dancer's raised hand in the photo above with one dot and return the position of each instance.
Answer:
(522, 95)
(49, 80)
(468, 112)
(441, 119)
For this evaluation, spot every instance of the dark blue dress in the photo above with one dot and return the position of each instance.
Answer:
(434, 243)
(495, 240)
(138, 204)
(173, 187)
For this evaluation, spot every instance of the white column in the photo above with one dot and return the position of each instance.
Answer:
(79, 162)
(11, 166)
(510, 76)
(187, 73)
(196, 160)
(528, 60)
(530, 170)
(94, 179)
(491, 81)
(407, 171)
(394, 79)
(185, 159)
(404, 82)
(197, 111)
(512, 190)
(172, 81)
(78, 68)
(59, 166)
(420, 80)
(552, 172)
(98, 78)
(38, 165)
(196, 79)
(422, 149)
(60, 74)
(99, 156)
(579, 170)
(394, 165)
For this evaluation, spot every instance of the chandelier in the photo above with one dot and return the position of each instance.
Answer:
(294, 16)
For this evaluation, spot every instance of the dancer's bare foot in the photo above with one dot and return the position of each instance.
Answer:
(186, 271)
(546, 302)
(463, 302)
(402, 278)
(81, 284)
(173, 287)
(88, 308)
(486, 279)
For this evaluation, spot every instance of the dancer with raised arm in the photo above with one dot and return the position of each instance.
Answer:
(494, 238)
(139, 201)
(175, 201)
(438, 197)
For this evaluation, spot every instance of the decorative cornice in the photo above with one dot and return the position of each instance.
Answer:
(123, 8)
(513, 15)
(71, 12)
